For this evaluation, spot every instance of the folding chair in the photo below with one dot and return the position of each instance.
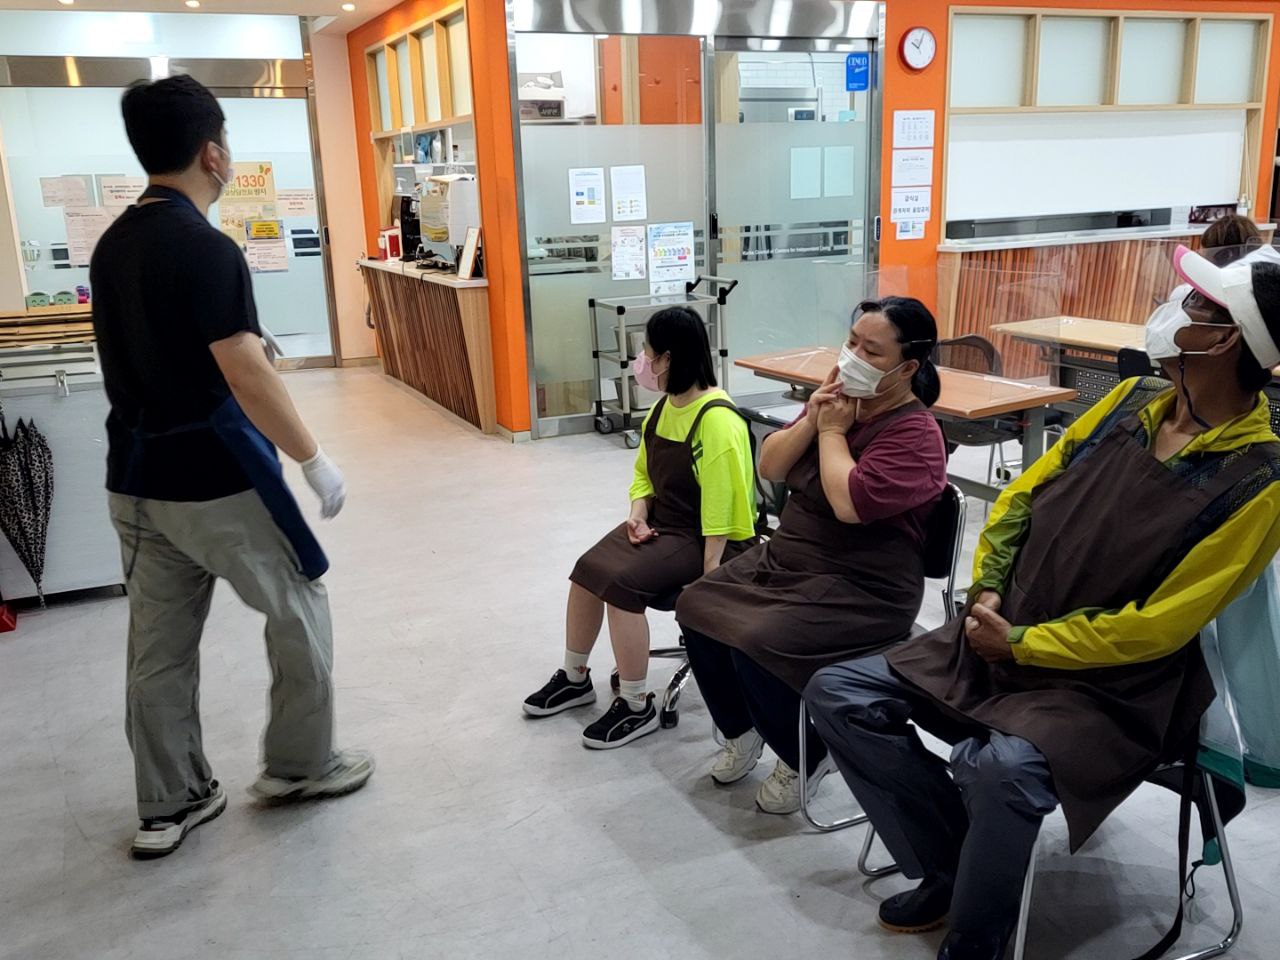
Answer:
(944, 541)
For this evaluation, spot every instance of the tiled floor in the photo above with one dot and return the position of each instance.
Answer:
(483, 835)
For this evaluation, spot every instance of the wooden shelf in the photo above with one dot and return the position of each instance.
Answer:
(425, 127)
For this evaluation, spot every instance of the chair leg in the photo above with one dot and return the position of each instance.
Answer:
(818, 825)
(1228, 871)
(671, 699)
(873, 872)
(1024, 910)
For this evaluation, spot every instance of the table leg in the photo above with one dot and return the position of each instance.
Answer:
(1033, 436)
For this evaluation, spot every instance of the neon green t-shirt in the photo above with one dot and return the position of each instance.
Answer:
(722, 465)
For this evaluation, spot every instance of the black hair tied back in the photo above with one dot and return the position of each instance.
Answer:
(918, 336)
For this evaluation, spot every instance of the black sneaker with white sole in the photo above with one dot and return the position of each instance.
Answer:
(560, 693)
(620, 725)
(159, 837)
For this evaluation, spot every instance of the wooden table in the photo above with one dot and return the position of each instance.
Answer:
(965, 396)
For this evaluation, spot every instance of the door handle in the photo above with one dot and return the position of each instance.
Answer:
(715, 226)
(877, 230)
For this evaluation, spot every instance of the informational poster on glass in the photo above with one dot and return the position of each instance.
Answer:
(630, 197)
(85, 226)
(586, 195)
(249, 195)
(629, 255)
(296, 203)
(66, 191)
(671, 257)
(120, 191)
(265, 248)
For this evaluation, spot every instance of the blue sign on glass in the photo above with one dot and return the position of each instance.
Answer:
(857, 71)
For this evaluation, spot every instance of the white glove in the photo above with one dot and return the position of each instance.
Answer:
(325, 479)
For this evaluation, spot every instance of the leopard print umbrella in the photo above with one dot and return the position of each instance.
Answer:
(26, 495)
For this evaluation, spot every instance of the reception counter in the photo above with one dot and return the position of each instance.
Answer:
(433, 335)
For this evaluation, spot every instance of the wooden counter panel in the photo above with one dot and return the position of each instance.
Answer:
(426, 342)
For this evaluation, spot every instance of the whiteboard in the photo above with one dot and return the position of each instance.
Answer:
(1039, 164)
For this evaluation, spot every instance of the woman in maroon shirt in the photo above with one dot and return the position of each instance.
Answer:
(843, 575)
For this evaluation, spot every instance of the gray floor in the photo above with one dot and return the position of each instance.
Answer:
(482, 835)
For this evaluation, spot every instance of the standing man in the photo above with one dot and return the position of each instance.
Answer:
(196, 490)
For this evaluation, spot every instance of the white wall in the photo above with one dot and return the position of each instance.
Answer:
(337, 135)
(12, 292)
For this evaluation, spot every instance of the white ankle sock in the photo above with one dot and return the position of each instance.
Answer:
(635, 692)
(575, 665)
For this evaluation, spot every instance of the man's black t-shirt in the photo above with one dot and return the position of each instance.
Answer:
(166, 284)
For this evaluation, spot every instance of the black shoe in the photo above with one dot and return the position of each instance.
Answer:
(560, 694)
(919, 910)
(969, 946)
(620, 725)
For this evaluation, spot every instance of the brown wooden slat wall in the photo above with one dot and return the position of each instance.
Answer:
(1116, 281)
(419, 327)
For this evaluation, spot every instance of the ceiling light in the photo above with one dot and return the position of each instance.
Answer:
(193, 3)
(349, 7)
(66, 3)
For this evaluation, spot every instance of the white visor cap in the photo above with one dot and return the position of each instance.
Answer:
(1231, 287)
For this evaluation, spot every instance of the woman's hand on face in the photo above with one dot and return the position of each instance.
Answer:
(837, 415)
(639, 531)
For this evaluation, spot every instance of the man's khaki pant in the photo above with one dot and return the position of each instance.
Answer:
(173, 552)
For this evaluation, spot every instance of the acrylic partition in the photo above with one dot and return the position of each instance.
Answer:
(989, 297)
(571, 263)
(77, 132)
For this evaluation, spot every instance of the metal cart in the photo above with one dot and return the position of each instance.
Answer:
(630, 314)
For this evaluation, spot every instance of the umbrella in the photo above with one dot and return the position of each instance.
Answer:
(26, 494)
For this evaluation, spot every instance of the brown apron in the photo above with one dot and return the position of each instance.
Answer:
(819, 592)
(1103, 534)
(632, 577)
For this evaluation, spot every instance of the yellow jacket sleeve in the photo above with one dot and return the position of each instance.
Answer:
(1011, 516)
(1215, 572)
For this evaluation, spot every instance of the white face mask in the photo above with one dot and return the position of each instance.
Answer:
(1162, 330)
(861, 380)
(221, 181)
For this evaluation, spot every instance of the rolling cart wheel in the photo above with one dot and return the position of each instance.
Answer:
(604, 425)
(615, 684)
(668, 718)
(632, 439)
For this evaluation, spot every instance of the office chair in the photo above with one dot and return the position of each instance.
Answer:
(943, 544)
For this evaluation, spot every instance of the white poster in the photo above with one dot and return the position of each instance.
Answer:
(910, 203)
(912, 168)
(671, 260)
(121, 191)
(838, 164)
(910, 229)
(267, 256)
(912, 128)
(629, 254)
(806, 173)
(586, 195)
(70, 191)
(630, 198)
(296, 203)
(85, 226)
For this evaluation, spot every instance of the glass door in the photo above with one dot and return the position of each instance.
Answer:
(792, 191)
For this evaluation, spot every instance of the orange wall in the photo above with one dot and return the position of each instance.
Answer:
(670, 71)
(490, 85)
(904, 89)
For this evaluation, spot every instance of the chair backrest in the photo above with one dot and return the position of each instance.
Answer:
(944, 537)
(970, 352)
(1134, 363)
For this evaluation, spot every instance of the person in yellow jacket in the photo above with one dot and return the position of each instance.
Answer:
(1075, 668)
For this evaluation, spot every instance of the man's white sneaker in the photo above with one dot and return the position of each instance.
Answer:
(738, 758)
(781, 792)
(352, 771)
(160, 837)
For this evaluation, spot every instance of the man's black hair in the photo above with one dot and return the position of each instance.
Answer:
(169, 121)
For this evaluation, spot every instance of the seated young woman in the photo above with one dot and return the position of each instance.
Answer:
(844, 573)
(692, 501)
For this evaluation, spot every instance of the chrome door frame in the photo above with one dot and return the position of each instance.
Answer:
(809, 24)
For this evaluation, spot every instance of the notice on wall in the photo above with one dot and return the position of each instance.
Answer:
(71, 191)
(121, 191)
(586, 195)
(912, 129)
(296, 203)
(912, 168)
(671, 257)
(85, 226)
(910, 203)
(910, 229)
(630, 199)
(629, 253)
(265, 249)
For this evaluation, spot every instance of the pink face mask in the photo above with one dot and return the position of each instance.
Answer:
(644, 373)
